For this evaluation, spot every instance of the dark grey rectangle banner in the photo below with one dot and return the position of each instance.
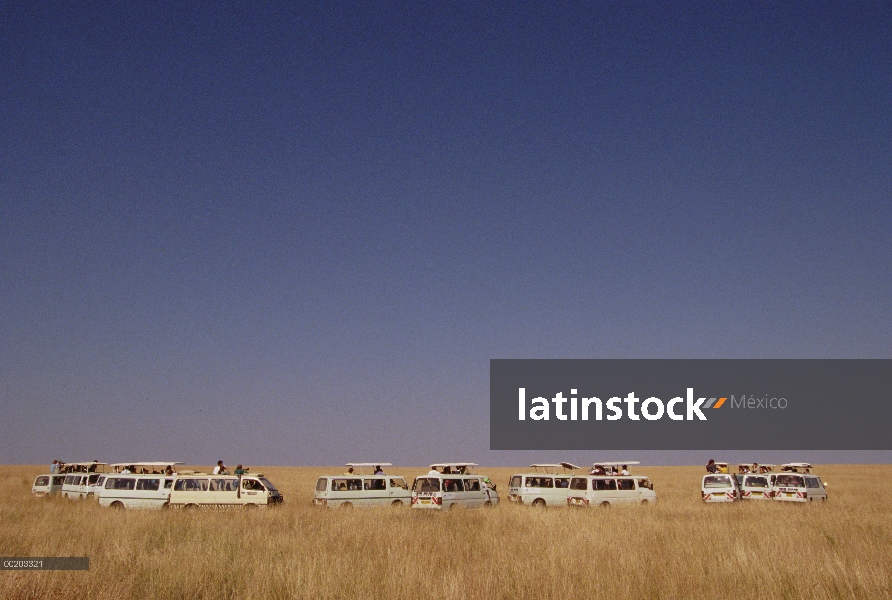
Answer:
(690, 404)
(45, 563)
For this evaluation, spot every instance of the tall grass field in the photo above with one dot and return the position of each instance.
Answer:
(678, 548)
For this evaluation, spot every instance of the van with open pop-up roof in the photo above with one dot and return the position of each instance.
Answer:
(194, 490)
(796, 483)
(83, 479)
(145, 487)
(547, 485)
(610, 483)
(752, 481)
(47, 485)
(453, 485)
(356, 488)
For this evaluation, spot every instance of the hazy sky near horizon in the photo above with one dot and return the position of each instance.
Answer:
(296, 233)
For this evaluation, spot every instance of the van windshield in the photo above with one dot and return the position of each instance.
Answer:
(789, 481)
(269, 485)
(713, 481)
(761, 482)
(426, 484)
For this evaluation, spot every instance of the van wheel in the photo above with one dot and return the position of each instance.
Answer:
(454, 506)
(396, 503)
(644, 503)
(347, 505)
(191, 506)
(117, 505)
(605, 505)
(250, 506)
(487, 504)
(165, 506)
(539, 503)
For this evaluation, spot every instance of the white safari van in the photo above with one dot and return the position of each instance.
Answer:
(47, 485)
(250, 491)
(143, 485)
(545, 486)
(598, 490)
(719, 487)
(752, 481)
(82, 480)
(354, 488)
(797, 487)
(135, 490)
(453, 485)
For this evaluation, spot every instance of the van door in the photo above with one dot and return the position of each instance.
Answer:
(604, 492)
(374, 491)
(625, 491)
(398, 489)
(474, 496)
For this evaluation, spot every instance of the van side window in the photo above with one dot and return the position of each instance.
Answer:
(452, 485)
(578, 483)
(374, 484)
(168, 483)
(562, 482)
(224, 485)
(625, 484)
(191, 485)
(120, 483)
(148, 484)
(645, 484)
(399, 482)
(321, 484)
(603, 484)
(58, 480)
(472, 485)
(515, 481)
(811, 482)
(254, 485)
(547, 482)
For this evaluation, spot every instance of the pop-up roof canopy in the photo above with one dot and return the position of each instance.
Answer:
(361, 466)
(553, 467)
(456, 467)
(147, 464)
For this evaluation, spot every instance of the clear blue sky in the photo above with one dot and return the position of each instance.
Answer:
(295, 233)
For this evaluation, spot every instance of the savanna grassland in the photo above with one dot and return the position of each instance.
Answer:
(678, 548)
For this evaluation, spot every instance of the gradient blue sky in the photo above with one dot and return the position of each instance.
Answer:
(295, 233)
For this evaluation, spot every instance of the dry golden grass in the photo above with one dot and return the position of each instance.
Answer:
(678, 548)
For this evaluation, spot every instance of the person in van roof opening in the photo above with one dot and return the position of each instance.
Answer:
(349, 471)
(220, 469)
(433, 471)
(169, 470)
(625, 470)
(710, 467)
(240, 471)
(379, 470)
